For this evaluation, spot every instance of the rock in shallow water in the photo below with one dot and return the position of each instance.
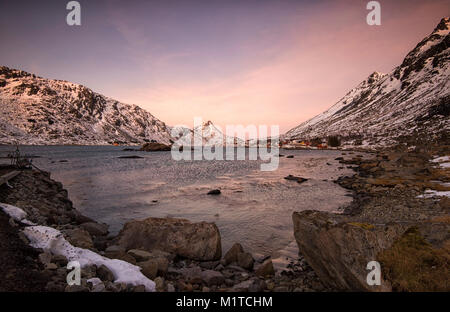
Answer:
(265, 269)
(293, 178)
(246, 261)
(130, 157)
(155, 147)
(232, 254)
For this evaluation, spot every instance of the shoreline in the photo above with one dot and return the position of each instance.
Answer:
(179, 274)
(247, 194)
(388, 211)
(183, 274)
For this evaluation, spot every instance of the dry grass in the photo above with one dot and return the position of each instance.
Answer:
(365, 226)
(412, 264)
(441, 219)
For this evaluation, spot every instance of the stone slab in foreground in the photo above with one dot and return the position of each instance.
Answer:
(339, 250)
(197, 241)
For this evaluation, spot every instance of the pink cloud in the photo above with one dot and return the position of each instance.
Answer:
(318, 61)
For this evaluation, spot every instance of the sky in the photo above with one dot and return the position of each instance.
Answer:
(247, 62)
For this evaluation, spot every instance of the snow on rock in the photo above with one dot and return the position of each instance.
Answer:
(16, 213)
(441, 159)
(385, 109)
(52, 240)
(433, 193)
(443, 162)
(208, 134)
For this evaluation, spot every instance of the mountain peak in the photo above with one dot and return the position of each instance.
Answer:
(386, 109)
(375, 76)
(443, 25)
(433, 47)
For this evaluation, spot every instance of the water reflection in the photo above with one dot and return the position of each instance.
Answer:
(255, 207)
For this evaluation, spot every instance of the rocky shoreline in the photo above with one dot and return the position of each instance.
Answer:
(176, 254)
(335, 248)
(391, 220)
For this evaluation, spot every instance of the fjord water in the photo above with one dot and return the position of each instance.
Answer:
(255, 207)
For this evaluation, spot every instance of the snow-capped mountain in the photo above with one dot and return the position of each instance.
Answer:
(34, 110)
(411, 101)
(207, 133)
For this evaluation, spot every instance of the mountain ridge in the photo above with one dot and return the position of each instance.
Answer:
(387, 109)
(207, 133)
(35, 110)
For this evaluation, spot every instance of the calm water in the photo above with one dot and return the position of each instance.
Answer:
(255, 207)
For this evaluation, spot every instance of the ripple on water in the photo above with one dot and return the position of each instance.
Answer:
(255, 207)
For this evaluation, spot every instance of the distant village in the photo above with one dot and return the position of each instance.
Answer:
(318, 143)
(303, 144)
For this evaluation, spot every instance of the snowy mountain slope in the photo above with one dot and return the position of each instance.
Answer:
(412, 100)
(207, 133)
(34, 110)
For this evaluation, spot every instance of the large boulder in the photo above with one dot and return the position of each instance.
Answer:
(339, 250)
(197, 241)
(237, 255)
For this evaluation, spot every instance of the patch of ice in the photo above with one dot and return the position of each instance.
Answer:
(52, 240)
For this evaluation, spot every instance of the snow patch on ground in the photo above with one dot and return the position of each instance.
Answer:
(433, 193)
(441, 159)
(443, 162)
(52, 240)
(16, 213)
